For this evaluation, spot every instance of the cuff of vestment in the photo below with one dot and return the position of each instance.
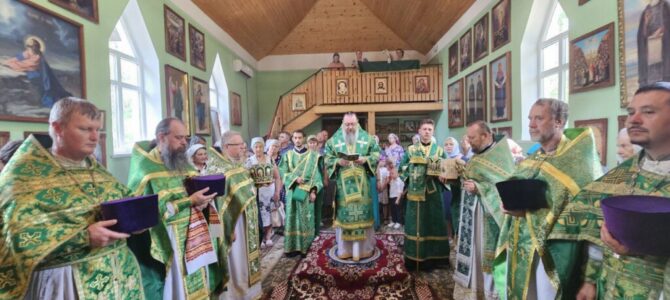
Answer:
(182, 204)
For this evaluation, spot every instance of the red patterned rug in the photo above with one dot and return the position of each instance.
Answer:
(321, 275)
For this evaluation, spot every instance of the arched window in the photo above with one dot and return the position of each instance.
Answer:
(544, 49)
(218, 97)
(554, 55)
(134, 79)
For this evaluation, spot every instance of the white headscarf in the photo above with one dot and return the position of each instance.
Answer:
(256, 140)
(457, 148)
(269, 144)
(191, 151)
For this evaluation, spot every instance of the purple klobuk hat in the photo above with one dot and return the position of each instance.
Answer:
(215, 183)
(132, 214)
(523, 194)
(641, 223)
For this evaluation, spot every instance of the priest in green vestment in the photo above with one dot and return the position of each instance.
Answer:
(537, 264)
(301, 174)
(351, 158)
(160, 168)
(426, 238)
(52, 243)
(481, 216)
(612, 272)
(239, 216)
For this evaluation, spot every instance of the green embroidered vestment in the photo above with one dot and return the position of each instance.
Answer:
(485, 169)
(300, 225)
(46, 210)
(425, 228)
(353, 212)
(574, 164)
(148, 175)
(627, 276)
(239, 198)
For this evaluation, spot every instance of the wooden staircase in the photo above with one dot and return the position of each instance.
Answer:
(331, 91)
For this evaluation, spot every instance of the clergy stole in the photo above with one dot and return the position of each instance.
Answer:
(485, 169)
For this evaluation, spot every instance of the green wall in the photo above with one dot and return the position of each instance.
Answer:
(598, 103)
(97, 68)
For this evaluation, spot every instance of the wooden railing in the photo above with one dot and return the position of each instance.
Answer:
(349, 86)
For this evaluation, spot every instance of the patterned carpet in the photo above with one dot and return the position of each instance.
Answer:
(277, 268)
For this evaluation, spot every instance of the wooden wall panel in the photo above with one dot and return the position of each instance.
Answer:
(321, 89)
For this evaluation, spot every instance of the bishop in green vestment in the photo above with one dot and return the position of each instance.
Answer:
(567, 161)
(301, 174)
(161, 169)
(351, 157)
(609, 274)
(239, 216)
(51, 239)
(426, 238)
(481, 216)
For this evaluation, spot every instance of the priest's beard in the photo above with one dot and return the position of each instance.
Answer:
(350, 138)
(174, 160)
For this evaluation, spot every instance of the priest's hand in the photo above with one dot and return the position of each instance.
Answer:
(344, 163)
(443, 179)
(611, 242)
(99, 236)
(299, 180)
(587, 291)
(470, 187)
(312, 196)
(361, 160)
(200, 200)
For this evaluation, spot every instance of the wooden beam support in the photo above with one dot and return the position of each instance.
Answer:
(371, 123)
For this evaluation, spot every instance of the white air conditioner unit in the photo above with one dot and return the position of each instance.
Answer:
(241, 67)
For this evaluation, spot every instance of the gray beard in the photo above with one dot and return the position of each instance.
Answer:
(350, 138)
(174, 161)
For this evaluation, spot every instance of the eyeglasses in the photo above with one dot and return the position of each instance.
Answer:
(234, 144)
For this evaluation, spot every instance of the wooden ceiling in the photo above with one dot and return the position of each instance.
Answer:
(275, 27)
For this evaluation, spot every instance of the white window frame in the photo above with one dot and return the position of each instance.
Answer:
(118, 85)
(148, 77)
(218, 77)
(563, 60)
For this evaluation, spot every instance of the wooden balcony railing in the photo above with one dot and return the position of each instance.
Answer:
(351, 87)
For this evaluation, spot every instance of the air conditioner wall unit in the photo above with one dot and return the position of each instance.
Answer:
(243, 68)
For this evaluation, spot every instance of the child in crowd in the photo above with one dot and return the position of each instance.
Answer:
(382, 187)
(396, 187)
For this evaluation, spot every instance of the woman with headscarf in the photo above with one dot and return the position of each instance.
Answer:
(394, 151)
(452, 199)
(197, 157)
(266, 179)
(273, 150)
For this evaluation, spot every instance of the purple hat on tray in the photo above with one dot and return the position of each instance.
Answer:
(523, 194)
(132, 214)
(215, 183)
(641, 223)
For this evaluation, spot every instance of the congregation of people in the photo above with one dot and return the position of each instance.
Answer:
(54, 244)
